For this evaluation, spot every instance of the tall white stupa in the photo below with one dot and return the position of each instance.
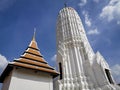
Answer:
(80, 68)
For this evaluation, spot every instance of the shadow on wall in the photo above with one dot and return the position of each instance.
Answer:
(0, 86)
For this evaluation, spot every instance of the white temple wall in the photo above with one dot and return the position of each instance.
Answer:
(99, 75)
(89, 74)
(23, 79)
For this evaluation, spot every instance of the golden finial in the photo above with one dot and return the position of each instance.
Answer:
(34, 34)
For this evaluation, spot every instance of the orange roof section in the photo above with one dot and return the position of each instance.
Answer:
(32, 59)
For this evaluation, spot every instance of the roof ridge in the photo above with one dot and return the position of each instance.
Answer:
(35, 64)
(32, 59)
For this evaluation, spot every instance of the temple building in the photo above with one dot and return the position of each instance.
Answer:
(29, 72)
(79, 66)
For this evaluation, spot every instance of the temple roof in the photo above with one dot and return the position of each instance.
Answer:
(33, 60)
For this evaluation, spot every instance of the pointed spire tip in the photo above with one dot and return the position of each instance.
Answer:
(65, 3)
(34, 34)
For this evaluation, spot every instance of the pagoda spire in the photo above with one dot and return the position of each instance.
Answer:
(65, 3)
(33, 39)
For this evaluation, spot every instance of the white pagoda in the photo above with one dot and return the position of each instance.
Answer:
(80, 68)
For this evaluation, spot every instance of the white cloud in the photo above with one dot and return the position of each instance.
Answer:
(116, 69)
(82, 3)
(3, 63)
(97, 1)
(111, 11)
(87, 19)
(54, 58)
(116, 72)
(93, 32)
(118, 22)
(108, 40)
(4, 4)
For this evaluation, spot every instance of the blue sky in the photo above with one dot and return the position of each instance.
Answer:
(18, 18)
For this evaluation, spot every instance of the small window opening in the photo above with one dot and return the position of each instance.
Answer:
(60, 69)
(109, 76)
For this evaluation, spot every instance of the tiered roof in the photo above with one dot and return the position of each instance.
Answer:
(33, 60)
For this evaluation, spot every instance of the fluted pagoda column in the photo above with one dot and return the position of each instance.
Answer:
(71, 43)
(80, 68)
